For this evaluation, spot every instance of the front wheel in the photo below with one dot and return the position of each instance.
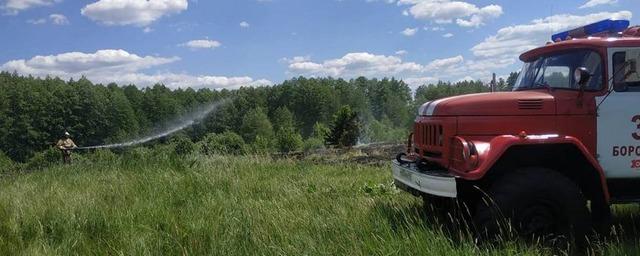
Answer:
(535, 204)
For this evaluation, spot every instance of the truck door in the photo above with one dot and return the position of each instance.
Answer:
(619, 117)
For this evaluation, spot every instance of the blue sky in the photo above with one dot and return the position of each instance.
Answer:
(227, 44)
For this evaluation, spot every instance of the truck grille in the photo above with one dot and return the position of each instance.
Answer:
(430, 134)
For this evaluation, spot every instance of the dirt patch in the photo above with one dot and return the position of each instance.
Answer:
(377, 154)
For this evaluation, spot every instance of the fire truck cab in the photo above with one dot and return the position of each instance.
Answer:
(553, 154)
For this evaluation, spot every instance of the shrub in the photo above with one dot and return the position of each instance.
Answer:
(44, 159)
(345, 128)
(102, 155)
(288, 140)
(183, 145)
(384, 131)
(262, 145)
(313, 143)
(6, 164)
(222, 143)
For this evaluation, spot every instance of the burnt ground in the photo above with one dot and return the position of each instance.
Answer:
(376, 154)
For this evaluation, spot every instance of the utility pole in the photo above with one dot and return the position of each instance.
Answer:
(493, 83)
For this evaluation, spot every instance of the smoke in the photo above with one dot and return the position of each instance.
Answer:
(173, 127)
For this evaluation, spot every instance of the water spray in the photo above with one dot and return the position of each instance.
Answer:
(178, 125)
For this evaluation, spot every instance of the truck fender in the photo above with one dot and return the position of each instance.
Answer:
(492, 150)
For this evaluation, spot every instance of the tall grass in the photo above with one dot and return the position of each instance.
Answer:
(150, 203)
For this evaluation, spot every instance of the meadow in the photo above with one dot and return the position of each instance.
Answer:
(154, 202)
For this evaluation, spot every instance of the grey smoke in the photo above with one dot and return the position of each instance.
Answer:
(175, 126)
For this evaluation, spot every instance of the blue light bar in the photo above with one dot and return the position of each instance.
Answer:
(605, 26)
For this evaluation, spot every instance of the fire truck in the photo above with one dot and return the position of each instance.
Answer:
(551, 156)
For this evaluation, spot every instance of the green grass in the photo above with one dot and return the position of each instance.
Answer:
(145, 203)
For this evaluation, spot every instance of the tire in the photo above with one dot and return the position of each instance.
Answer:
(437, 204)
(534, 204)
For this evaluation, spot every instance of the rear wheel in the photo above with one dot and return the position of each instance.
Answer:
(535, 204)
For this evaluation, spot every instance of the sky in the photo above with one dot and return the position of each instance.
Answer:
(232, 43)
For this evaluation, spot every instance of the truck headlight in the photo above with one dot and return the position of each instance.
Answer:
(464, 155)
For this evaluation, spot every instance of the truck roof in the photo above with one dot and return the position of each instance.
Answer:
(630, 37)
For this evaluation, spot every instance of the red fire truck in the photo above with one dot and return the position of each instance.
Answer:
(549, 157)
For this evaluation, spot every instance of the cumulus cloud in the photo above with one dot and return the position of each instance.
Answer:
(139, 13)
(365, 64)
(12, 7)
(593, 3)
(409, 31)
(58, 19)
(201, 44)
(122, 67)
(55, 19)
(401, 52)
(513, 40)
(354, 65)
(446, 11)
(447, 35)
(439, 64)
(244, 24)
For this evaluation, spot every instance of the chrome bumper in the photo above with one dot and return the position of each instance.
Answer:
(408, 177)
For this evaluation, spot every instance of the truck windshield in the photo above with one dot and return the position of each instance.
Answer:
(556, 71)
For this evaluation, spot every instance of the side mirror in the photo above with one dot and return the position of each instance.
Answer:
(581, 75)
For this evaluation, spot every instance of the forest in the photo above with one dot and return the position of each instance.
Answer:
(293, 115)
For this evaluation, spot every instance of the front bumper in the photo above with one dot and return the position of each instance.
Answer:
(410, 179)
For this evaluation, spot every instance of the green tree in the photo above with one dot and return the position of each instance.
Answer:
(282, 118)
(511, 80)
(288, 140)
(256, 123)
(223, 143)
(345, 128)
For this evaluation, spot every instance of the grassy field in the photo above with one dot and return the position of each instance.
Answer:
(150, 203)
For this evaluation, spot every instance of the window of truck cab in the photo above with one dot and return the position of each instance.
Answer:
(556, 71)
(622, 72)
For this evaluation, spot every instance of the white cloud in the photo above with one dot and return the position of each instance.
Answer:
(132, 12)
(447, 35)
(296, 59)
(593, 3)
(370, 65)
(436, 28)
(414, 82)
(440, 64)
(55, 19)
(201, 44)
(401, 52)
(446, 11)
(122, 67)
(174, 81)
(244, 24)
(409, 31)
(513, 40)
(58, 19)
(354, 65)
(37, 21)
(147, 30)
(14, 6)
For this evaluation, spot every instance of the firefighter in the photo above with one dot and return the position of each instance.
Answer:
(66, 145)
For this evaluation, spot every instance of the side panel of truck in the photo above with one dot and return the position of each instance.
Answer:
(619, 129)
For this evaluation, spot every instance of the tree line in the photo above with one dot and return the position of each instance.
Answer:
(298, 113)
